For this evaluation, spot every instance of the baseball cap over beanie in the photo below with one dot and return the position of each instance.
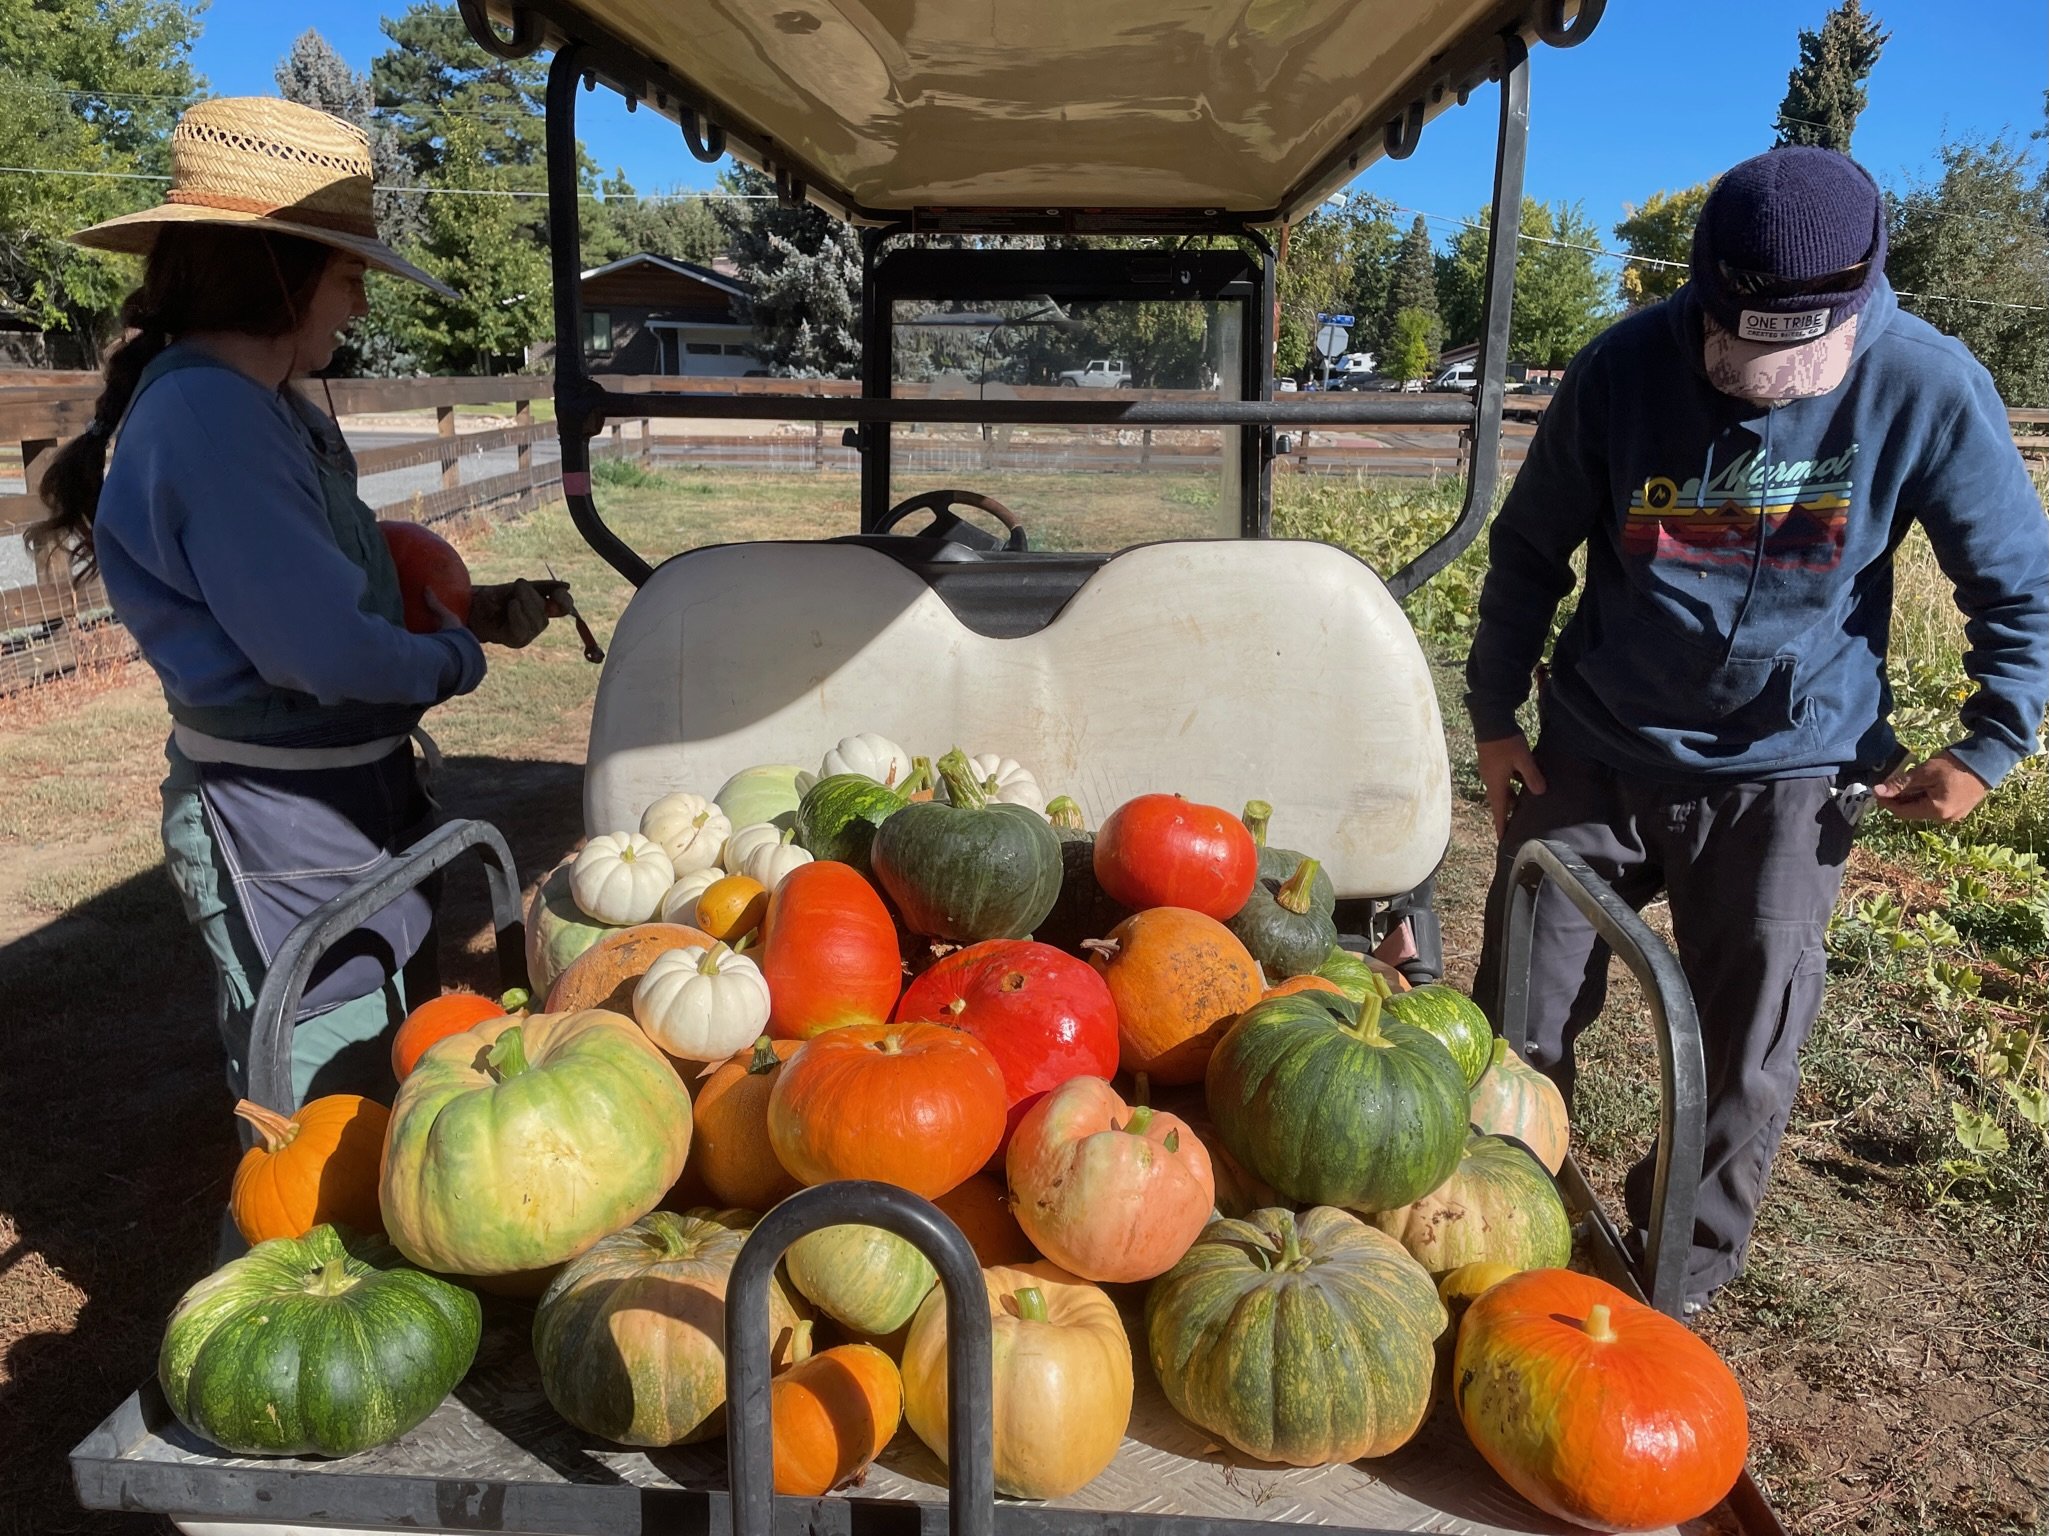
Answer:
(1789, 249)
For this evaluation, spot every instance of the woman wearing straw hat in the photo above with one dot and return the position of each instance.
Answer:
(235, 549)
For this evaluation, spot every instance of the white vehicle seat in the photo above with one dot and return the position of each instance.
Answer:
(1223, 670)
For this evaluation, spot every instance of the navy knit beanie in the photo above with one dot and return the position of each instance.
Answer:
(1793, 214)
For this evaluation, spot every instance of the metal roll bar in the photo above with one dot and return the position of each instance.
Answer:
(1682, 1070)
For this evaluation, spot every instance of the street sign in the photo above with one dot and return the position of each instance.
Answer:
(1331, 339)
(1336, 320)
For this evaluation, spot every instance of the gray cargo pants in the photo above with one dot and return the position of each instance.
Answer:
(1751, 871)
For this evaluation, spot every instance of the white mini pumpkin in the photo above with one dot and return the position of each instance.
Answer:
(620, 877)
(702, 1004)
(875, 757)
(765, 853)
(1014, 784)
(679, 902)
(690, 829)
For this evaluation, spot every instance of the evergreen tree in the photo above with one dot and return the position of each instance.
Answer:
(1414, 286)
(805, 269)
(434, 75)
(1411, 350)
(1825, 91)
(1660, 227)
(314, 75)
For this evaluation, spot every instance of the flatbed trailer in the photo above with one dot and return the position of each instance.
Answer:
(863, 133)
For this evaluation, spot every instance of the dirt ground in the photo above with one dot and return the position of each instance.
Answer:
(1895, 1353)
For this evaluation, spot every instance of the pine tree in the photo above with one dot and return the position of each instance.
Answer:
(805, 270)
(1414, 286)
(314, 75)
(1825, 91)
(1410, 349)
(435, 74)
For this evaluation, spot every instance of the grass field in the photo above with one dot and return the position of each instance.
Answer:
(1893, 1331)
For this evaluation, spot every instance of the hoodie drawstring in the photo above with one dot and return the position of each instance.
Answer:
(1757, 545)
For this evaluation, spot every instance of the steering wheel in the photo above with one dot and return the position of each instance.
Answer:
(951, 529)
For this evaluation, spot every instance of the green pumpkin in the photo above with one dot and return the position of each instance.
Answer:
(322, 1345)
(838, 817)
(1350, 972)
(1336, 1105)
(631, 1335)
(1500, 1207)
(968, 870)
(863, 1278)
(1302, 1339)
(1277, 864)
(561, 1128)
(1282, 926)
(1453, 1018)
(557, 930)
(767, 793)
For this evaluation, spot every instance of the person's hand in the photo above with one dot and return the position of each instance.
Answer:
(512, 613)
(1941, 789)
(1504, 763)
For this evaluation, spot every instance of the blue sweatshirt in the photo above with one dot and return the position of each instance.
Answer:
(214, 542)
(1739, 579)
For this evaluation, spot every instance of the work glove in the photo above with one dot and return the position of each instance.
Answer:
(512, 613)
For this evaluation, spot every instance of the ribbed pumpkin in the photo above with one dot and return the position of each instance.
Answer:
(1062, 1379)
(1280, 923)
(317, 1165)
(1306, 1340)
(1513, 1098)
(863, 1278)
(729, 1146)
(920, 1106)
(1500, 1206)
(631, 1335)
(1594, 1407)
(1335, 1105)
(833, 1413)
(1179, 979)
(605, 975)
(838, 817)
(521, 1143)
(1356, 975)
(969, 869)
(766, 793)
(321, 1345)
(1453, 1018)
(1296, 984)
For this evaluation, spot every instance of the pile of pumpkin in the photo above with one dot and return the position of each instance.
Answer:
(1340, 1208)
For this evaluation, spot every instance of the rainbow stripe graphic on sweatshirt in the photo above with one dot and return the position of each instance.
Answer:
(1804, 506)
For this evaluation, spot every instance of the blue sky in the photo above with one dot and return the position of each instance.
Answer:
(1662, 96)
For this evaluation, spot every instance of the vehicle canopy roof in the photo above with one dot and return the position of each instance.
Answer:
(1145, 113)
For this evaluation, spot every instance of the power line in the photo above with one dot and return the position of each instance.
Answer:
(621, 197)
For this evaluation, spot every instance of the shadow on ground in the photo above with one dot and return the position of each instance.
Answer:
(110, 1055)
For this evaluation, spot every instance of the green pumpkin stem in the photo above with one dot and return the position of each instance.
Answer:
(507, 1058)
(800, 1341)
(764, 1059)
(516, 1000)
(331, 1279)
(715, 959)
(276, 1130)
(1256, 815)
(1031, 1304)
(963, 789)
(1367, 1031)
(1598, 1326)
(1296, 892)
(1141, 1117)
(1291, 1245)
(1064, 813)
(920, 780)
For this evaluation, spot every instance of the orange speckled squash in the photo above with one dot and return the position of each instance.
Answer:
(730, 1148)
(1179, 979)
(832, 1414)
(605, 975)
(317, 1166)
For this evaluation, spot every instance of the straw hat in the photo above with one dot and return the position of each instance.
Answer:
(257, 162)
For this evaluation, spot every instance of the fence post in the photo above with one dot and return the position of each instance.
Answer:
(444, 423)
(818, 446)
(1145, 449)
(647, 441)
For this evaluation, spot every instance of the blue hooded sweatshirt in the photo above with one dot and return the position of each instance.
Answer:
(1739, 578)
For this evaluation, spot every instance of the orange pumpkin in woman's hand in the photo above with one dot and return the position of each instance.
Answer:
(315, 1166)
(427, 563)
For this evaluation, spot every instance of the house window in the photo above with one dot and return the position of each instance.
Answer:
(733, 351)
(597, 330)
(704, 349)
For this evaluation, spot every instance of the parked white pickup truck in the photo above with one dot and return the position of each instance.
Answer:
(1100, 373)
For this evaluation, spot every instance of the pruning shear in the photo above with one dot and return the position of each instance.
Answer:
(1854, 800)
(592, 651)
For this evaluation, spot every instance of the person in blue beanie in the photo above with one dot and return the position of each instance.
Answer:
(1740, 464)
(236, 550)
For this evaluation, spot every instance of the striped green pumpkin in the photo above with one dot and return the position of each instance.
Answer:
(1334, 1104)
(321, 1345)
(1500, 1207)
(838, 816)
(1302, 1339)
(863, 1278)
(1453, 1018)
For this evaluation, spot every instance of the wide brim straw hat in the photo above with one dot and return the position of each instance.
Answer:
(259, 162)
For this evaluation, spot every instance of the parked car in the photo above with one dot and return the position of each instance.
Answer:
(1098, 373)
(1459, 377)
(1284, 386)
(1366, 379)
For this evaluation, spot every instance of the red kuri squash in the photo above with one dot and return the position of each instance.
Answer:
(1165, 851)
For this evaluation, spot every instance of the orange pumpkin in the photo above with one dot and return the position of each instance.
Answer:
(319, 1165)
(1595, 1407)
(452, 1013)
(729, 1147)
(980, 1207)
(916, 1105)
(605, 975)
(731, 908)
(1302, 984)
(1179, 979)
(832, 1414)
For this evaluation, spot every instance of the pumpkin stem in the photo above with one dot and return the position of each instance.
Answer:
(1141, 1117)
(516, 1000)
(920, 779)
(277, 1131)
(714, 959)
(789, 834)
(330, 1279)
(1031, 1304)
(1064, 813)
(1367, 1031)
(1106, 948)
(747, 940)
(1291, 1245)
(1598, 1326)
(1294, 894)
(963, 789)
(800, 1341)
(764, 1058)
(1256, 815)
(507, 1058)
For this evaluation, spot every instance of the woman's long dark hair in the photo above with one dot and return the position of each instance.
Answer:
(198, 277)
